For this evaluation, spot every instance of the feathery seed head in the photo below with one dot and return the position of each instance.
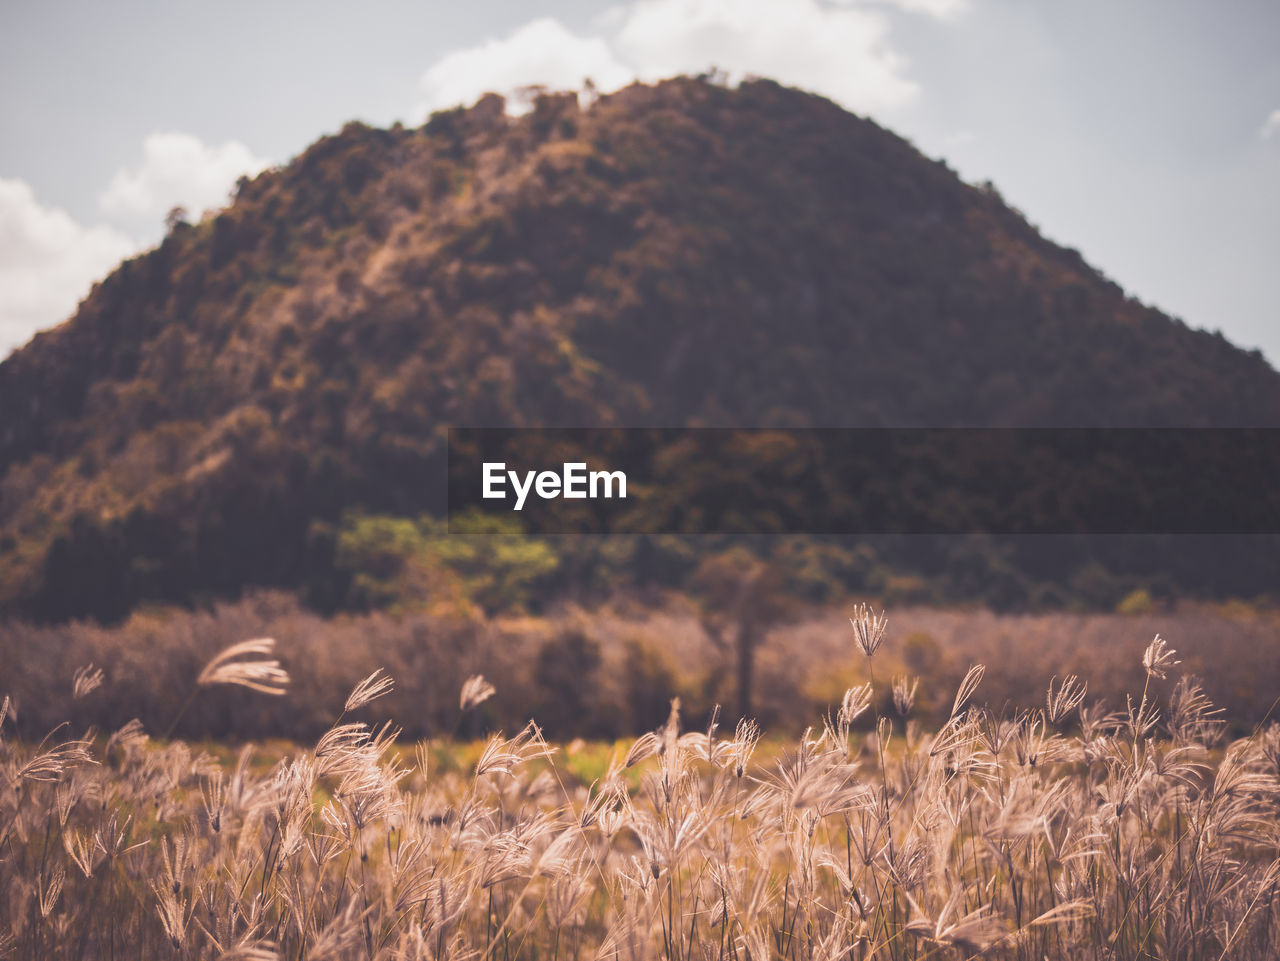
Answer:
(370, 689)
(1158, 658)
(855, 702)
(868, 629)
(263, 675)
(1065, 699)
(475, 690)
(87, 679)
(970, 684)
(904, 693)
(745, 739)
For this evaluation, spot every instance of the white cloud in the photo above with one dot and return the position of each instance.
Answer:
(541, 52)
(842, 50)
(1271, 126)
(178, 170)
(942, 9)
(47, 262)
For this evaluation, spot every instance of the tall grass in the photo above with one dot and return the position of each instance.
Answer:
(1064, 831)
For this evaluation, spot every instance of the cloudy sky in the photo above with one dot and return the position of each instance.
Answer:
(1145, 134)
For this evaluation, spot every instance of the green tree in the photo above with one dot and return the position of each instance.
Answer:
(400, 563)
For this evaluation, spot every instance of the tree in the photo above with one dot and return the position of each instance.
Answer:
(175, 218)
(402, 562)
(742, 596)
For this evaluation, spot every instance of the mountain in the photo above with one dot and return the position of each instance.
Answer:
(683, 253)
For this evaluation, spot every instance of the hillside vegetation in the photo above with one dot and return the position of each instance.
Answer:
(677, 254)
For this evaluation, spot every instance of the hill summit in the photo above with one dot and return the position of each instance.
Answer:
(683, 253)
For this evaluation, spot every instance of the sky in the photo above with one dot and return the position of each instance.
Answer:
(1144, 134)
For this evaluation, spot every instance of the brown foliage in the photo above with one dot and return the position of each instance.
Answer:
(675, 254)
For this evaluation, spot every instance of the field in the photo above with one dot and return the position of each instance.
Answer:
(608, 672)
(1063, 830)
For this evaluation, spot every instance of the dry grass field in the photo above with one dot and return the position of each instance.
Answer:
(605, 673)
(1142, 829)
